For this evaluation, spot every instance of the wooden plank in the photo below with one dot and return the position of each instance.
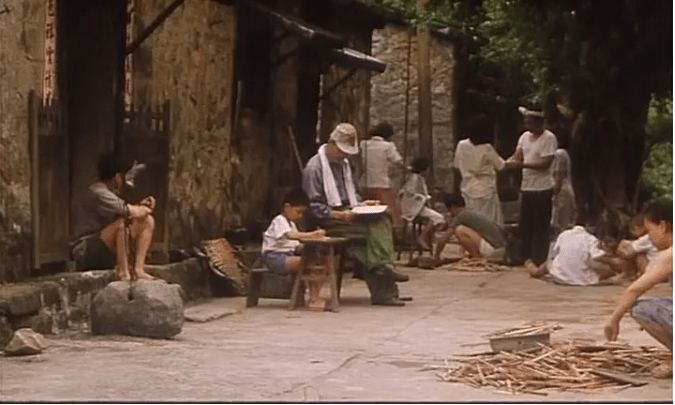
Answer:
(35, 181)
(618, 376)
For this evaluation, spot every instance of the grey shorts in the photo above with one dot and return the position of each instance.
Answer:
(658, 310)
(276, 261)
(92, 254)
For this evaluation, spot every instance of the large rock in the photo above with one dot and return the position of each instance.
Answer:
(25, 342)
(154, 309)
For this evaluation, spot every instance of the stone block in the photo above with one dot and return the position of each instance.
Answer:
(143, 308)
(191, 274)
(25, 342)
(42, 323)
(6, 332)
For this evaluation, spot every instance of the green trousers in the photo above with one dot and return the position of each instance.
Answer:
(378, 250)
(378, 237)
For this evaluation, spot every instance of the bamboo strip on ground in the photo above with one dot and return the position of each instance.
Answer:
(564, 366)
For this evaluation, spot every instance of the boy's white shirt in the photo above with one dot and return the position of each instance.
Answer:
(413, 196)
(276, 239)
(644, 245)
(570, 256)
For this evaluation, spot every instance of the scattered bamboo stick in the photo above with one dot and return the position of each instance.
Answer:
(564, 366)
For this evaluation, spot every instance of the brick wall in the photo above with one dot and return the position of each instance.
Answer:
(21, 56)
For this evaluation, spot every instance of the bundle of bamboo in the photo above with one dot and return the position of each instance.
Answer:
(567, 366)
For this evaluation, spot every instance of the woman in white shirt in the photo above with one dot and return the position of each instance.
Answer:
(478, 162)
(378, 155)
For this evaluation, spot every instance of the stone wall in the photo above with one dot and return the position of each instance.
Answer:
(189, 61)
(349, 101)
(388, 95)
(21, 56)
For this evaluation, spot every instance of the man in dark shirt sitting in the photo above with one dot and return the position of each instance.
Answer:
(100, 224)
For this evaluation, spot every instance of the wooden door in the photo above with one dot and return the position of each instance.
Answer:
(145, 138)
(50, 184)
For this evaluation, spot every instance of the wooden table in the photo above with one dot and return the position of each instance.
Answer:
(325, 271)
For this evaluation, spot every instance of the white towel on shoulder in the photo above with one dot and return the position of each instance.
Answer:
(329, 185)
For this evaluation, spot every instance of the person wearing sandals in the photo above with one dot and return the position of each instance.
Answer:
(653, 314)
(414, 197)
(281, 243)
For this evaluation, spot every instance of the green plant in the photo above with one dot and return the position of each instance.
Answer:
(657, 173)
(659, 126)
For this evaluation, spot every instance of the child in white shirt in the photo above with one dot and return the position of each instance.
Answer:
(281, 245)
(640, 252)
(577, 258)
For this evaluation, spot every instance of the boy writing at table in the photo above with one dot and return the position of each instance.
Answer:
(281, 243)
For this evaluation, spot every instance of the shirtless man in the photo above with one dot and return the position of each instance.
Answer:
(100, 225)
(654, 314)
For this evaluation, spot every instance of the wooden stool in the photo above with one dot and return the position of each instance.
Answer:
(416, 226)
(324, 270)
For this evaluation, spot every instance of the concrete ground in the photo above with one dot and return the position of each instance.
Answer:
(362, 353)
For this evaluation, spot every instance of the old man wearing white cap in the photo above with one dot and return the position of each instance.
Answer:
(327, 180)
(535, 151)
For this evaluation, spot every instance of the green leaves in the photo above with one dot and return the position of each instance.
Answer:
(657, 172)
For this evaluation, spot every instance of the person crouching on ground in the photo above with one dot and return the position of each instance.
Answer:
(577, 258)
(281, 246)
(655, 315)
(415, 199)
(101, 222)
(478, 235)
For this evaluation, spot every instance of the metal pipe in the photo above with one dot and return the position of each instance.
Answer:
(153, 26)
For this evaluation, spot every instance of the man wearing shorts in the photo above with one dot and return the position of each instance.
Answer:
(102, 221)
(478, 235)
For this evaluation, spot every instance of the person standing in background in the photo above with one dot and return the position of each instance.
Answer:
(535, 152)
(378, 155)
(478, 162)
(563, 215)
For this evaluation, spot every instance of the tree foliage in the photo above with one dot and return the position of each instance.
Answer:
(657, 174)
(602, 61)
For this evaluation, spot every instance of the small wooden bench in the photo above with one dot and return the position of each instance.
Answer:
(256, 274)
(255, 280)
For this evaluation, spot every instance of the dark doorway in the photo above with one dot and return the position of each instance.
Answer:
(90, 43)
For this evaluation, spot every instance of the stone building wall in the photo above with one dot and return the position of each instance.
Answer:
(388, 95)
(21, 56)
(349, 101)
(189, 61)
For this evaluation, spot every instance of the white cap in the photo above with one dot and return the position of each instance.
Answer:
(344, 136)
(530, 113)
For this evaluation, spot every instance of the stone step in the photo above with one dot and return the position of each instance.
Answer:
(48, 304)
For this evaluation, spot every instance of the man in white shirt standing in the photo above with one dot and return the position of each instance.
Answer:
(378, 155)
(536, 150)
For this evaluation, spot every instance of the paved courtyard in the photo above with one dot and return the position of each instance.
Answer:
(362, 353)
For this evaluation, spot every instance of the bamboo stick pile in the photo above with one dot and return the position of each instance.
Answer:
(568, 366)
(476, 265)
